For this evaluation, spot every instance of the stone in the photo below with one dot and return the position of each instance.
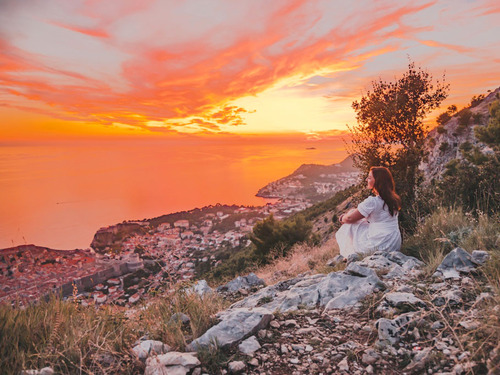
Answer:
(43, 371)
(419, 361)
(369, 369)
(254, 362)
(400, 299)
(179, 317)
(456, 262)
(370, 357)
(448, 296)
(332, 291)
(201, 288)
(458, 369)
(275, 324)
(343, 365)
(241, 282)
(235, 325)
(236, 367)
(334, 261)
(480, 256)
(290, 323)
(149, 347)
(175, 363)
(388, 330)
(437, 325)
(249, 346)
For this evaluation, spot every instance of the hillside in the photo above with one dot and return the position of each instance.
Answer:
(443, 142)
(313, 182)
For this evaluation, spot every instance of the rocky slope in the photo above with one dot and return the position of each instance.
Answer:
(381, 315)
(443, 143)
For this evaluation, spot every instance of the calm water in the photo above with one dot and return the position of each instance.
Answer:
(59, 195)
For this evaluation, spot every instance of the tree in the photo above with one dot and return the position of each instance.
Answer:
(390, 130)
(271, 234)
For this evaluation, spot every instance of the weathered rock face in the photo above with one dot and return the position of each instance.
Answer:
(173, 363)
(335, 290)
(437, 158)
(389, 330)
(460, 261)
(308, 337)
(148, 348)
(235, 325)
(106, 237)
(242, 282)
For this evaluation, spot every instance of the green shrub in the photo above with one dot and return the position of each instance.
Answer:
(271, 234)
(464, 117)
(443, 118)
(444, 147)
(491, 134)
(476, 100)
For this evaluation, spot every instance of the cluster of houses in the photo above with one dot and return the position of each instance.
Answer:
(30, 272)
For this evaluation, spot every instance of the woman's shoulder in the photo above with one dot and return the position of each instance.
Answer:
(370, 204)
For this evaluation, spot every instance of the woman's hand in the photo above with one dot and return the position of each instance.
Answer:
(351, 217)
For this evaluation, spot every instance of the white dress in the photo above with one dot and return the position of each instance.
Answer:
(378, 230)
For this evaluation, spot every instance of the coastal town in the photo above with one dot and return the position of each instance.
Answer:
(166, 253)
(128, 260)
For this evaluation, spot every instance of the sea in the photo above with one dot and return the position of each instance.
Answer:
(58, 194)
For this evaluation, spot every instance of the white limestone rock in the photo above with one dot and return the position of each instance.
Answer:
(400, 299)
(249, 346)
(149, 347)
(456, 262)
(389, 330)
(172, 363)
(201, 288)
(236, 367)
(235, 325)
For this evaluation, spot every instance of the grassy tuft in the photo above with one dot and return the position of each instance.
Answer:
(446, 228)
(301, 258)
(66, 336)
(73, 339)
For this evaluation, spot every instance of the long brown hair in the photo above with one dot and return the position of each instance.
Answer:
(384, 185)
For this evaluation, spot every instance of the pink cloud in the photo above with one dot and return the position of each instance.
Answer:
(197, 75)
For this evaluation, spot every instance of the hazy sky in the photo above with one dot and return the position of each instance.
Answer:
(153, 67)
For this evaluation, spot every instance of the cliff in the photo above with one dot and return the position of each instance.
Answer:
(443, 142)
(106, 237)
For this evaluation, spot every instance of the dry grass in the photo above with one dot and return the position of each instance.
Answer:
(86, 340)
(201, 311)
(301, 258)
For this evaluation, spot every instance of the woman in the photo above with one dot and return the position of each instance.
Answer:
(373, 225)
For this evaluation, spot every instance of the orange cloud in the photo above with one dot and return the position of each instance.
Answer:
(93, 32)
(192, 79)
(456, 48)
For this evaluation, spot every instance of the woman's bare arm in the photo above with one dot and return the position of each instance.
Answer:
(351, 217)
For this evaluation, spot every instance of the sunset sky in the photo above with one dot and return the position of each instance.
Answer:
(162, 68)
